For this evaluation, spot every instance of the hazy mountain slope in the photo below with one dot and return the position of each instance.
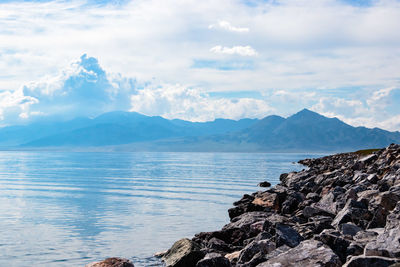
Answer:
(307, 130)
(119, 127)
(303, 131)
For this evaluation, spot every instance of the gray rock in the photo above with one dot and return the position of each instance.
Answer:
(184, 253)
(387, 244)
(286, 235)
(262, 247)
(214, 260)
(353, 211)
(349, 229)
(308, 253)
(335, 241)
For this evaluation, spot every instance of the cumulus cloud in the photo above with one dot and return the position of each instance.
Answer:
(225, 25)
(177, 101)
(238, 50)
(379, 109)
(81, 89)
(85, 89)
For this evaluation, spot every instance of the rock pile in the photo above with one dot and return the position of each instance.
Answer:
(343, 210)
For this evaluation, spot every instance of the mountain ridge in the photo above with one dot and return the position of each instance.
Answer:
(118, 130)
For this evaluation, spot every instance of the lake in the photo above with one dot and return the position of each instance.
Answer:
(72, 208)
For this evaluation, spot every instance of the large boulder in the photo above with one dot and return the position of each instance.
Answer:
(184, 253)
(308, 253)
(111, 262)
(387, 244)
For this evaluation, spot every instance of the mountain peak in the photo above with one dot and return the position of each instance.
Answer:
(306, 114)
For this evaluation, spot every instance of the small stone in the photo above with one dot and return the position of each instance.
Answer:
(112, 262)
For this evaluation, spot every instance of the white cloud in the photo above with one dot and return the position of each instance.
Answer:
(225, 25)
(176, 101)
(370, 110)
(301, 45)
(238, 50)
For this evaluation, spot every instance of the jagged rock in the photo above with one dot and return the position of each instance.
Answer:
(308, 253)
(112, 262)
(218, 245)
(184, 253)
(370, 261)
(286, 235)
(213, 260)
(335, 241)
(267, 200)
(387, 244)
(353, 211)
(263, 247)
(327, 203)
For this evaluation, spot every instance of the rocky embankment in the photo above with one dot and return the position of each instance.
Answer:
(343, 210)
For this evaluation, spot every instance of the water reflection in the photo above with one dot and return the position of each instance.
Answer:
(63, 209)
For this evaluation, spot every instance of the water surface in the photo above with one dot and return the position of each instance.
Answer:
(72, 208)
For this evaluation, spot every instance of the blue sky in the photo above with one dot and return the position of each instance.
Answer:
(201, 60)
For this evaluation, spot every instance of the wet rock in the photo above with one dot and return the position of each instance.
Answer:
(184, 253)
(308, 253)
(112, 262)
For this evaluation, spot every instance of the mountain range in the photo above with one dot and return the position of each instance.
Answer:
(305, 131)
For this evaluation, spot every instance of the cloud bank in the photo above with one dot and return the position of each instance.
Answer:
(335, 56)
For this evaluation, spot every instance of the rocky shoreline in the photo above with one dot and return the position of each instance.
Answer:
(343, 210)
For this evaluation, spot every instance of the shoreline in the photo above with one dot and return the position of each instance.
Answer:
(342, 205)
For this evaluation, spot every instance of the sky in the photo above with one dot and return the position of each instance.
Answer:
(201, 60)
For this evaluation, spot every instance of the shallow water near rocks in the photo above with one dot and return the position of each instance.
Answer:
(72, 208)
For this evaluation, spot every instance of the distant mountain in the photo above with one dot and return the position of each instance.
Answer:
(113, 128)
(303, 131)
(310, 131)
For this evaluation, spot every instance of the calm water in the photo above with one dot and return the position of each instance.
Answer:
(69, 209)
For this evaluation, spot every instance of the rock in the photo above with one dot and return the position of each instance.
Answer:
(336, 242)
(160, 253)
(218, 245)
(263, 247)
(286, 235)
(308, 253)
(327, 203)
(349, 229)
(213, 260)
(264, 184)
(184, 253)
(387, 244)
(267, 200)
(354, 211)
(232, 257)
(112, 262)
(370, 261)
